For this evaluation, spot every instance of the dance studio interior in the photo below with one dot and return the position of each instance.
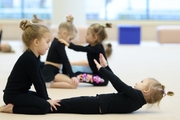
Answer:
(145, 41)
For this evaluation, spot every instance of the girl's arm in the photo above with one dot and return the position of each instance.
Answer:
(89, 49)
(33, 70)
(65, 61)
(116, 82)
(64, 42)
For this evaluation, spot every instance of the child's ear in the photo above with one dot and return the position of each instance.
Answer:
(147, 90)
(95, 37)
(36, 42)
(64, 33)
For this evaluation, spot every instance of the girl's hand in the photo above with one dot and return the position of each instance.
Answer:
(97, 64)
(75, 81)
(53, 104)
(64, 42)
(102, 60)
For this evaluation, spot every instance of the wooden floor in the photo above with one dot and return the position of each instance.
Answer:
(131, 63)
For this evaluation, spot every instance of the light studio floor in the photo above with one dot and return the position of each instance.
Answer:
(131, 63)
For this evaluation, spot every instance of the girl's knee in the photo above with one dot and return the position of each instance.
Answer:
(45, 108)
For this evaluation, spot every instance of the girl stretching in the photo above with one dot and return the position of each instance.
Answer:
(126, 100)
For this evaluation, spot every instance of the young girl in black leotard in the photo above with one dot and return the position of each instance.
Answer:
(57, 59)
(126, 100)
(26, 72)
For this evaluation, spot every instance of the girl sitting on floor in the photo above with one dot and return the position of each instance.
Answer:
(57, 57)
(26, 72)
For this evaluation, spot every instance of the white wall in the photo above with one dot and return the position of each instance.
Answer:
(61, 8)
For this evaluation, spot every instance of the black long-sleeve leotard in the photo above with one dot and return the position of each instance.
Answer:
(126, 100)
(92, 53)
(57, 54)
(26, 72)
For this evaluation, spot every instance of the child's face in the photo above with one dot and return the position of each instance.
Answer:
(90, 38)
(70, 37)
(44, 44)
(142, 85)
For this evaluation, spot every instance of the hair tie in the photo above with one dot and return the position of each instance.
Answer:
(69, 15)
(69, 18)
(164, 93)
(102, 25)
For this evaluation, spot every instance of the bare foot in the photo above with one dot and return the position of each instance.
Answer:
(2, 107)
(7, 108)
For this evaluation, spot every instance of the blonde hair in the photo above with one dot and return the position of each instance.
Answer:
(99, 31)
(6, 48)
(32, 31)
(157, 92)
(68, 25)
(36, 19)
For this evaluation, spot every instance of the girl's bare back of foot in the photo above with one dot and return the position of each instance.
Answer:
(7, 108)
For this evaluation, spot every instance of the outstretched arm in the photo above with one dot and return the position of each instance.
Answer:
(88, 48)
(103, 63)
(116, 82)
(102, 60)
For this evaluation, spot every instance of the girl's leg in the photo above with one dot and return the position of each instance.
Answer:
(27, 104)
(85, 69)
(62, 81)
(80, 105)
(80, 63)
(96, 80)
(77, 66)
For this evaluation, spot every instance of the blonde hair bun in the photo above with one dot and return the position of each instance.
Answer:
(170, 93)
(69, 18)
(109, 45)
(108, 25)
(24, 24)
